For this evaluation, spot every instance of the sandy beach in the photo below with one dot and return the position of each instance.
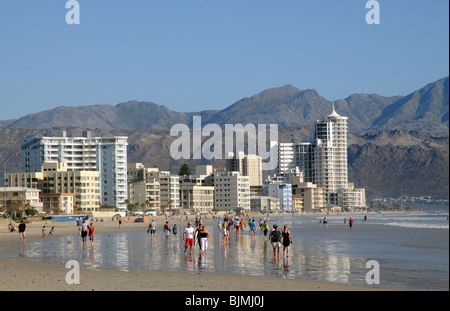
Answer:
(21, 274)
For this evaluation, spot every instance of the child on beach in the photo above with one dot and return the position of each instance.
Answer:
(43, 231)
(51, 232)
(91, 230)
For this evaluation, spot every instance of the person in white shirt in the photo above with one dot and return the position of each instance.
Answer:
(188, 236)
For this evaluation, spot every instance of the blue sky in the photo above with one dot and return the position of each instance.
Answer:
(192, 55)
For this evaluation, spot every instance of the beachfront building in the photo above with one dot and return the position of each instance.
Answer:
(55, 180)
(297, 203)
(246, 165)
(351, 198)
(144, 191)
(262, 203)
(60, 203)
(162, 189)
(281, 191)
(196, 198)
(324, 160)
(231, 190)
(26, 197)
(314, 198)
(107, 155)
(330, 155)
(169, 191)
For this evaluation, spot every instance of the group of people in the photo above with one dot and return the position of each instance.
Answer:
(84, 229)
(50, 232)
(190, 235)
(20, 229)
(200, 235)
(350, 222)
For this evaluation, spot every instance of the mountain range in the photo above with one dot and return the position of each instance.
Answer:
(397, 144)
(425, 110)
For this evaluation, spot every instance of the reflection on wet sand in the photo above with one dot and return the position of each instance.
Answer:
(243, 254)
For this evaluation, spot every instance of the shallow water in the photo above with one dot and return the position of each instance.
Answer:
(412, 251)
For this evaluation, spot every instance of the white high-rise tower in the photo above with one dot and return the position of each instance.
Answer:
(330, 168)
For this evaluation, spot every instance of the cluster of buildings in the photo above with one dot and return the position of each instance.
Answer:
(85, 174)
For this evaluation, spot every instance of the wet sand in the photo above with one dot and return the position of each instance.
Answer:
(20, 274)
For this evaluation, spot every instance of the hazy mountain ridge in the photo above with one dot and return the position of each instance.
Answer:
(426, 110)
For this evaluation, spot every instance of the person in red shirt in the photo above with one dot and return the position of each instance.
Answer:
(91, 234)
(350, 223)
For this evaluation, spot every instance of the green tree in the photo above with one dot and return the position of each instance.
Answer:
(184, 170)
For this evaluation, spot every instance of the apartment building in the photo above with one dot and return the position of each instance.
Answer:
(262, 203)
(231, 190)
(27, 197)
(107, 155)
(196, 198)
(246, 165)
(314, 197)
(55, 179)
(324, 160)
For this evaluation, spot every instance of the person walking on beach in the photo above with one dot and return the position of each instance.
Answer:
(350, 223)
(325, 222)
(152, 229)
(252, 226)
(91, 233)
(197, 235)
(275, 238)
(236, 225)
(188, 236)
(174, 231)
(79, 222)
(43, 231)
(287, 240)
(265, 229)
(204, 238)
(166, 230)
(51, 232)
(120, 221)
(84, 232)
(22, 229)
(225, 233)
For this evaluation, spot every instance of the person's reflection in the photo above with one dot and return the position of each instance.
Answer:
(226, 253)
(202, 264)
(189, 262)
(286, 266)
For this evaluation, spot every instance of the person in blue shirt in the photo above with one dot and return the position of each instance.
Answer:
(174, 231)
(252, 227)
(79, 223)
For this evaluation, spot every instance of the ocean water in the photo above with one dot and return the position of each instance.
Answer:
(412, 251)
